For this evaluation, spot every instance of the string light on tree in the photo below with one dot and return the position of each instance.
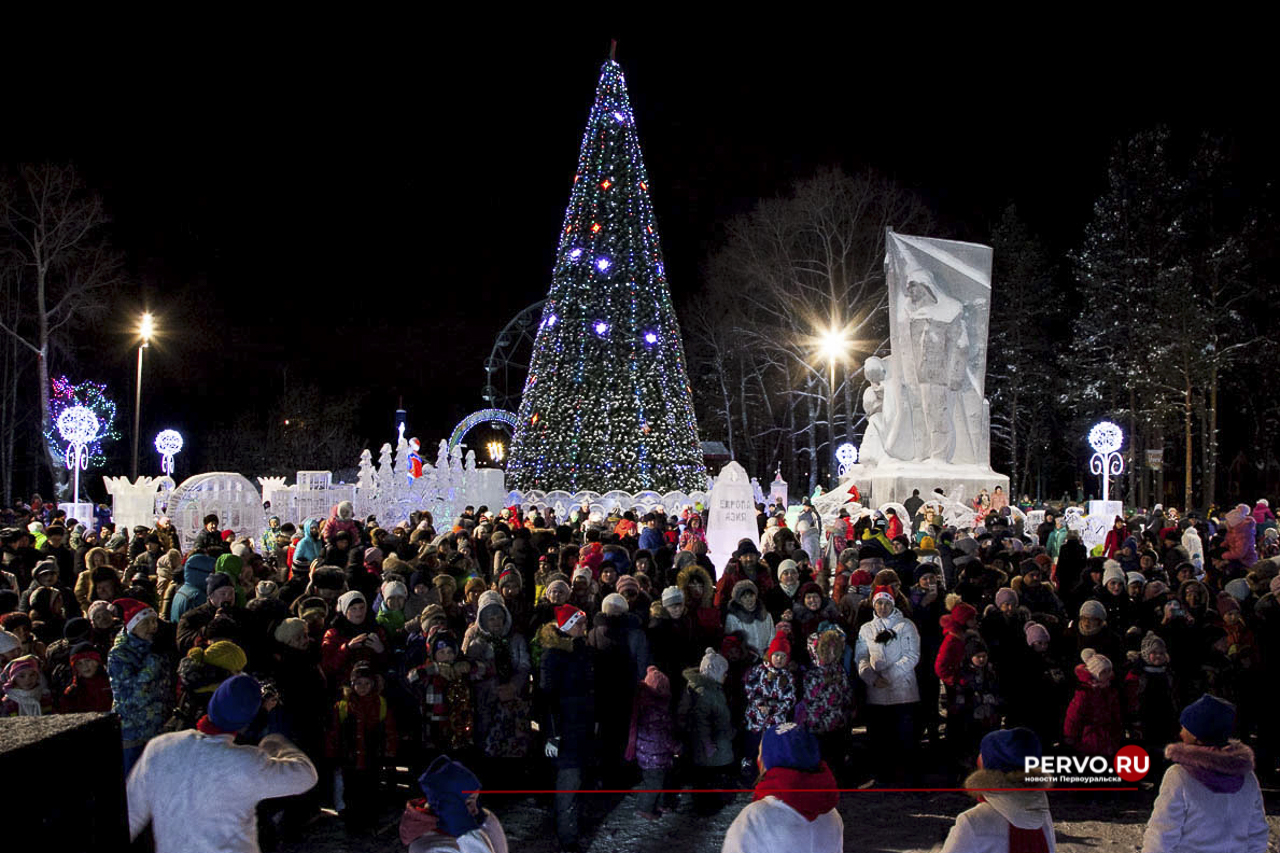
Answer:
(65, 394)
(168, 444)
(1106, 438)
(607, 403)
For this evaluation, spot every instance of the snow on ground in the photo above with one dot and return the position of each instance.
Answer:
(875, 822)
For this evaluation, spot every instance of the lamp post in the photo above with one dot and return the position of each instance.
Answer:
(833, 343)
(145, 331)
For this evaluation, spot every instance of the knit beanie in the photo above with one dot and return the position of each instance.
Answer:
(348, 598)
(1136, 577)
(1227, 604)
(85, 651)
(1005, 594)
(1238, 588)
(1093, 609)
(780, 644)
(290, 631)
(567, 616)
(974, 645)
(215, 582)
(558, 584)
(791, 746)
(16, 666)
(582, 572)
(447, 785)
(1210, 719)
(1007, 749)
(241, 550)
(672, 596)
(656, 681)
(613, 605)
(741, 588)
(1035, 633)
(627, 582)
(787, 564)
(472, 584)
(8, 642)
(235, 703)
(1151, 644)
(392, 589)
(1097, 664)
(78, 628)
(223, 654)
(1111, 571)
(714, 666)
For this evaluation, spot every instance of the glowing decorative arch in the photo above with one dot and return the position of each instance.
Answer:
(474, 420)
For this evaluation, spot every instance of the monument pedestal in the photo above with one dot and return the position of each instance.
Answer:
(893, 480)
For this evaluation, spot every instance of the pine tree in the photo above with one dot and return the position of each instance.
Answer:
(607, 403)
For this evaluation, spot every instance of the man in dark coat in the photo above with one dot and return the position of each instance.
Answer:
(567, 680)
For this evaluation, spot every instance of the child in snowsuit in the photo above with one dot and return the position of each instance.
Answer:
(976, 700)
(1095, 718)
(90, 688)
(361, 736)
(828, 695)
(443, 689)
(652, 743)
(771, 693)
(24, 692)
(1151, 700)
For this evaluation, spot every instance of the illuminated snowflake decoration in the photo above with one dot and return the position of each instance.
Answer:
(1105, 437)
(168, 444)
(65, 395)
(78, 426)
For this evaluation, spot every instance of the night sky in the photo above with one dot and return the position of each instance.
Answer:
(369, 217)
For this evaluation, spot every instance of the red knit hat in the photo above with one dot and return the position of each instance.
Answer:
(567, 616)
(780, 644)
(132, 611)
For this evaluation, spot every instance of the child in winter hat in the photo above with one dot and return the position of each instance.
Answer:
(651, 742)
(90, 688)
(391, 612)
(713, 666)
(24, 693)
(1036, 634)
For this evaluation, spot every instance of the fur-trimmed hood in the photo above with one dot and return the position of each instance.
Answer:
(551, 637)
(682, 581)
(1220, 769)
(1023, 809)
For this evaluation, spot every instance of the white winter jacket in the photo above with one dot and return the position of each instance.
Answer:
(985, 827)
(759, 631)
(770, 826)
(1194, 547)
(895, 660)
(1189, 818)
(488, 838)
(199, 792)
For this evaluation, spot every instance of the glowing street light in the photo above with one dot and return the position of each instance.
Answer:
(833, 344)
(146, 331)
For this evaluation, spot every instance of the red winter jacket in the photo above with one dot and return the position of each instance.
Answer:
(1095, 717)
(86, 695)
(951, 654)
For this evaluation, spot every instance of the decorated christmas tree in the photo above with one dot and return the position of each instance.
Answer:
(607, 403)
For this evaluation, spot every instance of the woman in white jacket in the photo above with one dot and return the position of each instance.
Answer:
(1002, 819)
(887, 652)
(1209, 798)
(200, 791)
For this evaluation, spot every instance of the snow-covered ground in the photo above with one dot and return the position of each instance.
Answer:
(875, 822)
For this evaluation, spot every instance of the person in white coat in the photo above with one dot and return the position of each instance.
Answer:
(1004, 820)
(200, 791)
(1209, 797)
(887, 652)
(1194, 547)
(450, 818)
(793, 807)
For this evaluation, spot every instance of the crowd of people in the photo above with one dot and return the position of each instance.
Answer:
(614, 649)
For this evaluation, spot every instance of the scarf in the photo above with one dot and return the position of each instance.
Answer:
(811, 793)
(392, 620)
(206, 726)
(1027, 840)
(790, 589)
(28, 701)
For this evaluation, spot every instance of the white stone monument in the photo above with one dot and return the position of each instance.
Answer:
(731, 515)
(928, 420)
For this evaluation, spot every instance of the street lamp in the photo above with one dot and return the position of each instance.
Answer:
(146, 330)
(832, 344)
